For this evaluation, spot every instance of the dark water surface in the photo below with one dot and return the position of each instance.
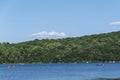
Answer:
(81, 71)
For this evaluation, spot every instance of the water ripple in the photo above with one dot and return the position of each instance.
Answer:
(106, 79)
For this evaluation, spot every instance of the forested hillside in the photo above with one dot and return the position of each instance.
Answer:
(92, 48)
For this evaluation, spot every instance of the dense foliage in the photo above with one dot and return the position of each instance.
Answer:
(92, 48)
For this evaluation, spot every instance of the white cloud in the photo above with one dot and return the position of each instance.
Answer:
(49, 34)
(116, 23)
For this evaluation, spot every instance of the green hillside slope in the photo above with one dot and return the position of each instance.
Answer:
(92, 48)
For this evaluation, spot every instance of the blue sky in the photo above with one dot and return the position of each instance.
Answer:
(24, 20)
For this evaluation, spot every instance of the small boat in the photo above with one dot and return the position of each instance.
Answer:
(11, 66)
(99, 64)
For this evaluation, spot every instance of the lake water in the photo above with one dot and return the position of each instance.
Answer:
(81, 71)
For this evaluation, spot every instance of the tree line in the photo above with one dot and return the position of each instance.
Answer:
(91, 48)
